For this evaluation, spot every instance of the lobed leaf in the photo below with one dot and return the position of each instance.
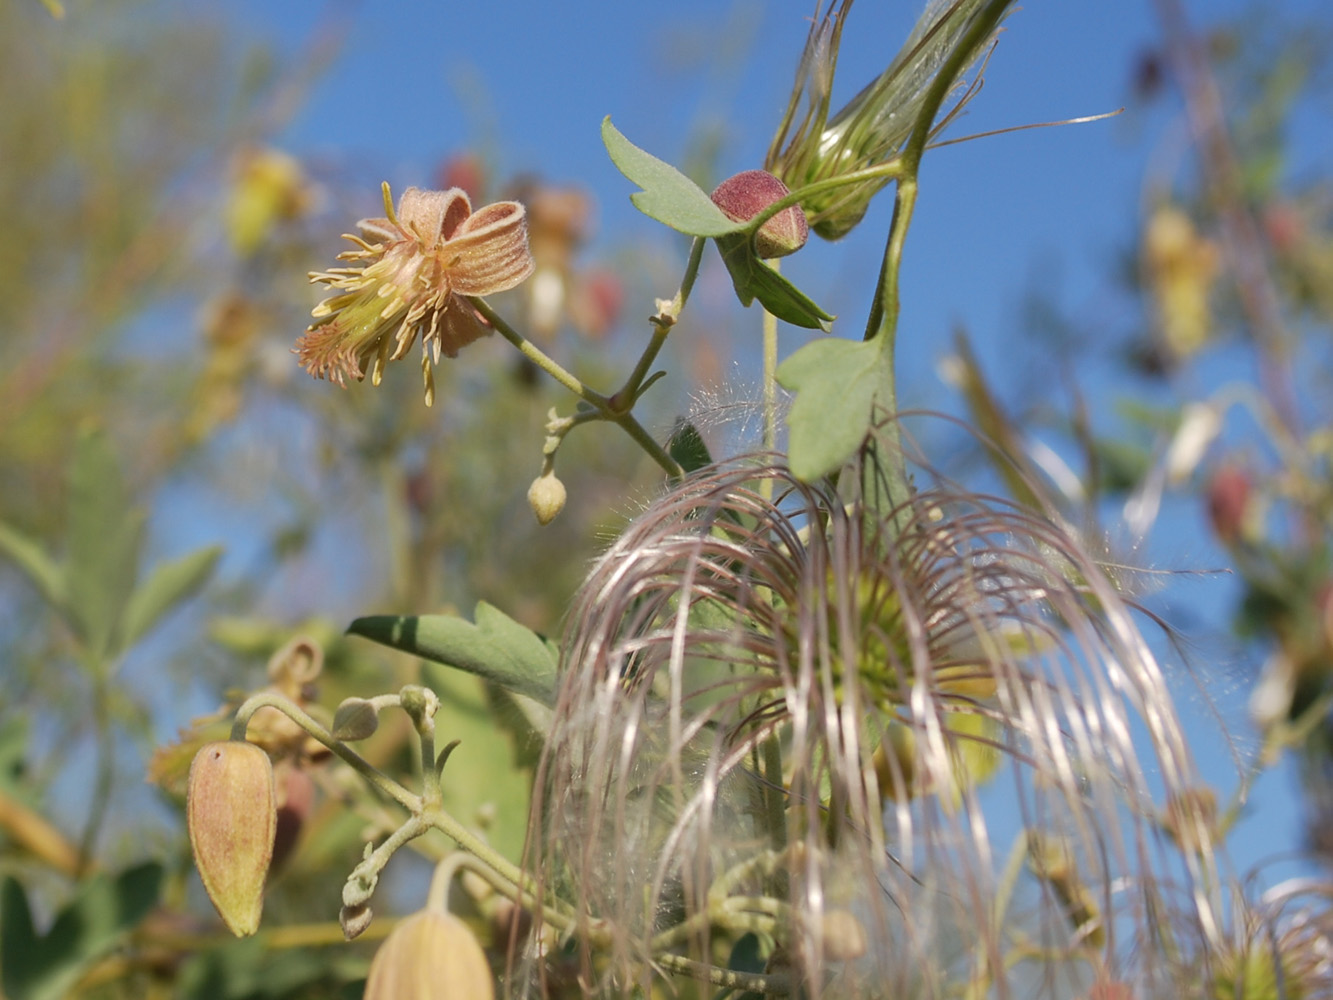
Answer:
(27, 554)
(167, 585)
(496, 648)
(668, 195)
(836, 383)
(103, 535)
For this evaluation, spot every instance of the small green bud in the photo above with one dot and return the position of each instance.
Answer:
(431, 955)
(355, 719)
(546, 497)
(232, 814)
(745, 195)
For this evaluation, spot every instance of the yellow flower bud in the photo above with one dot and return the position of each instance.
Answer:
(431, 955)
(232, 814)
(546, 497)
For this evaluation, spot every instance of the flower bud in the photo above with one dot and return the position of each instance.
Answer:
(745, 195)
(844, 936)
(355, 719)
(355, 919)
(296, 799)
(546, 497)
(1230, 503)
(231, 811)
(430, 955)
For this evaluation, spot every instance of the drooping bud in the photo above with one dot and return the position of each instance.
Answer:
(745, 195)
(355, 719)
(231, 811)
(431, 955)
(355, 919)
(546, 497)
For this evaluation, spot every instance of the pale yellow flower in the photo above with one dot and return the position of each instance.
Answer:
(413, 272)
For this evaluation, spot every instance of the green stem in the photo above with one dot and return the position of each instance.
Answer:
(106, 770)
(886, 171)
(603, 404)
(376, 777)
(770, 389)
(662, 324)
(882, 323)
(775, 983)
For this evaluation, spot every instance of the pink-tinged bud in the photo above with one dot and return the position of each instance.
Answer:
(231, 811)
(431, 955)
(747, 194)
(1229, 503)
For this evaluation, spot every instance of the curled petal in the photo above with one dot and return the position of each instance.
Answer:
(489, 253)
(459, 326)
(432, 215)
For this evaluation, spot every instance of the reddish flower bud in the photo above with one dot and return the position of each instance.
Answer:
(231, 811)
(296, 800)
(745, 195)
(1229, 503)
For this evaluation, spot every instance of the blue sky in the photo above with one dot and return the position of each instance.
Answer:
(1052, 210)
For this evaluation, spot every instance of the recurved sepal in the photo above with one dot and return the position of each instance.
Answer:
(231, 811)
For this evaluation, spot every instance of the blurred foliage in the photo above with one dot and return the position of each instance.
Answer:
(1230, 274)
(152, 290)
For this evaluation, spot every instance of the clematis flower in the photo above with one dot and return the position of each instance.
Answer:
(412, 273)
(782, 714)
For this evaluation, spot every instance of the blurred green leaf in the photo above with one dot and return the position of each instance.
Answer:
(496, 648)
(668, 195)
(1006, 450)
(687, 447)
(836, 383)
(753, 279)
(103, 532)
(14, 735)
(36, 967)
(44, 572)
(249, 969)
(167, 585)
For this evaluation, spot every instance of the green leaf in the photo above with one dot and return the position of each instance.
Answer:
(167, 585)
(46, 967)
(687, 447)
(668, 195)
(45, 573)
(489, 765)
(18, 942)
(103, 534)
(496, 648)
(753, 279)
(836, 383)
